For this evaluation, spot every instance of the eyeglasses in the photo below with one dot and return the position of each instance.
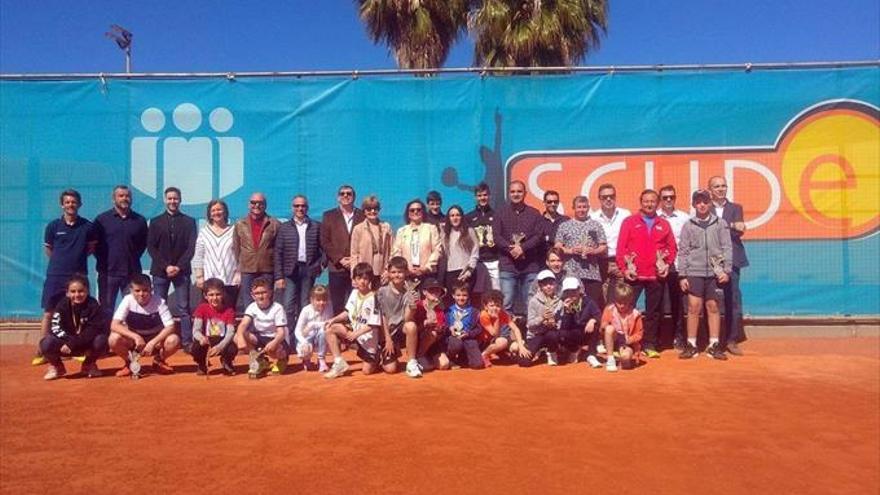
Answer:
(668, 198)
(415, 210)
(603, 197)
(346, 193)
(257, 203)
(300, 206)
(552, 202)
(372, 208)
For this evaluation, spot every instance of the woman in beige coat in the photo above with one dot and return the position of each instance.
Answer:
(371, 240)
(418, 241)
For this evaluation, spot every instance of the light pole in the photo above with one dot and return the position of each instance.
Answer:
(122, 37)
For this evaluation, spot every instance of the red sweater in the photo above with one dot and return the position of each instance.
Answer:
(635, 238)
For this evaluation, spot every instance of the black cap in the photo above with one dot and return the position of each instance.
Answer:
(431, 283)
(701, 194)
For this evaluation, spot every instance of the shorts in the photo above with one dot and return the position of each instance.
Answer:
(54, 289)
(398, 338)
(619, 341)
(263, 341)
(504, 333)
(703, 287)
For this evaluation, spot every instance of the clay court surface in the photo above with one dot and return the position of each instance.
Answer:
(794, 416)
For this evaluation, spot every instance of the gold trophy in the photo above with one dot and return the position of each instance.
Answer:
(717, 263)
(662, 265)
(630, 260)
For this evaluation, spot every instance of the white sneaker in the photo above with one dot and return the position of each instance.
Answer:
(52, 373)
(338, 369)
(600, 348)
(551, 359)
(413, 370)
(593, 362)
(611, 364)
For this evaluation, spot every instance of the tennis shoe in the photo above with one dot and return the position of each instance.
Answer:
(593, 362)
(55, 372)
(338, 369)
(412, 369)
(611, 364)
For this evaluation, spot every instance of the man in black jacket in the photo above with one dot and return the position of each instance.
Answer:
(733, 332)
(171, 242)
(298, 258)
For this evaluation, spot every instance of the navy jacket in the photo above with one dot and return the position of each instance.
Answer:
(171, 240)
(121, 243)
(733, 212)
(287, 248)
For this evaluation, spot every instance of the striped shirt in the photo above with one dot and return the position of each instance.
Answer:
(214, 254)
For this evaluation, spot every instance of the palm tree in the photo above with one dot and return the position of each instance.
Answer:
(536, 33)
(418, 32)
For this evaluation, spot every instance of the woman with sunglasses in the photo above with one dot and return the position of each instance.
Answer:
(371, 240)
(461, 248)
(418, 241)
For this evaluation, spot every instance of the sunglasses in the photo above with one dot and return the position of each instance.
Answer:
(667, 198)
(258, 203)
(300, 206)
(607, 196)
(552, 202)
(346, 193)
(372, 208)
(415, 210)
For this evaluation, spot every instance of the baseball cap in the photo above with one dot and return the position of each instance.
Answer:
(571, 283)
(701, 194)
(546, 274)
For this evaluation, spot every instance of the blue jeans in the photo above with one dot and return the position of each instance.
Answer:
(244, 291)
(297, 286)
(515, 287)
(181, 306)
(109, 287)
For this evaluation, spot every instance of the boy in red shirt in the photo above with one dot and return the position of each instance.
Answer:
(213, 329)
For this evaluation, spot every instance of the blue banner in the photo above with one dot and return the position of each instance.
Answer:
(799, 148)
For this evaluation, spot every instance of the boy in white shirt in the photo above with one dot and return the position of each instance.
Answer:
(359, 323)
(142, 324)
(263, 331)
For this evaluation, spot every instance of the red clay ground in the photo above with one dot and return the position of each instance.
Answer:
(794, 416)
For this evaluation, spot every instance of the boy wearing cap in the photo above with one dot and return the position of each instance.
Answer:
(430, 321)
(577, 325)
(705, 260)
(544, 312)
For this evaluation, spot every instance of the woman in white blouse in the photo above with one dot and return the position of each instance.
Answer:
(461, 248)
(418, 241)
(213, 257)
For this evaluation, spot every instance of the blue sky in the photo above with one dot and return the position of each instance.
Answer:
(237, 35)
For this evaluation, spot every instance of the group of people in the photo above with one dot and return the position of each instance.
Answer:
(445, 288)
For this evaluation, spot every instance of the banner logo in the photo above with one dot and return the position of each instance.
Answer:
(204, 166)
(819, 180)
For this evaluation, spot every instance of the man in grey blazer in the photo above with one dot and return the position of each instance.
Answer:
(733, 332)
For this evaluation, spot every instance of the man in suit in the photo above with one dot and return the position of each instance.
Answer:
(732, 213)
(253, 243)
(336, 225)
(298, 258)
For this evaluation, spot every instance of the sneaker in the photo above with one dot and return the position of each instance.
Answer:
(338, 369)
(600, 349)
(680, 345)
(228, 369)
(55, 372)
(593, 362)
(412, 369)
(160, 367)
(688, 352)
(279, 367)
(552, 359)
(652, 353)
(611, 364)
(79, 359)
(734, 349)
(38, 360)
(92, 370)
(322, 366)
(714, 351)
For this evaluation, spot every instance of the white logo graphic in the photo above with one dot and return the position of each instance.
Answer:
(202, 167)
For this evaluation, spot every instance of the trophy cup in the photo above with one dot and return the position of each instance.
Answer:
(662, 265)
(717, 263)
(630, 260)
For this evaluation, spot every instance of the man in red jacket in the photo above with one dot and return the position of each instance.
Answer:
(645, 250)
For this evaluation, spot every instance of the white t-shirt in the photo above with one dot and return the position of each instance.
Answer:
(363, 311)
(144, 319)
(310, 321)
(266, 321)
(611, 226)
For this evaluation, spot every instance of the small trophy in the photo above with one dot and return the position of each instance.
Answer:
(630, 260)
(457, 326)
(717, 263)
(411, 291)
(517, 238)
(662, 265)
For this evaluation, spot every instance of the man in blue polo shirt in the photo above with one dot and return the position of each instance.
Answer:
(68, 242)
(122, 240)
